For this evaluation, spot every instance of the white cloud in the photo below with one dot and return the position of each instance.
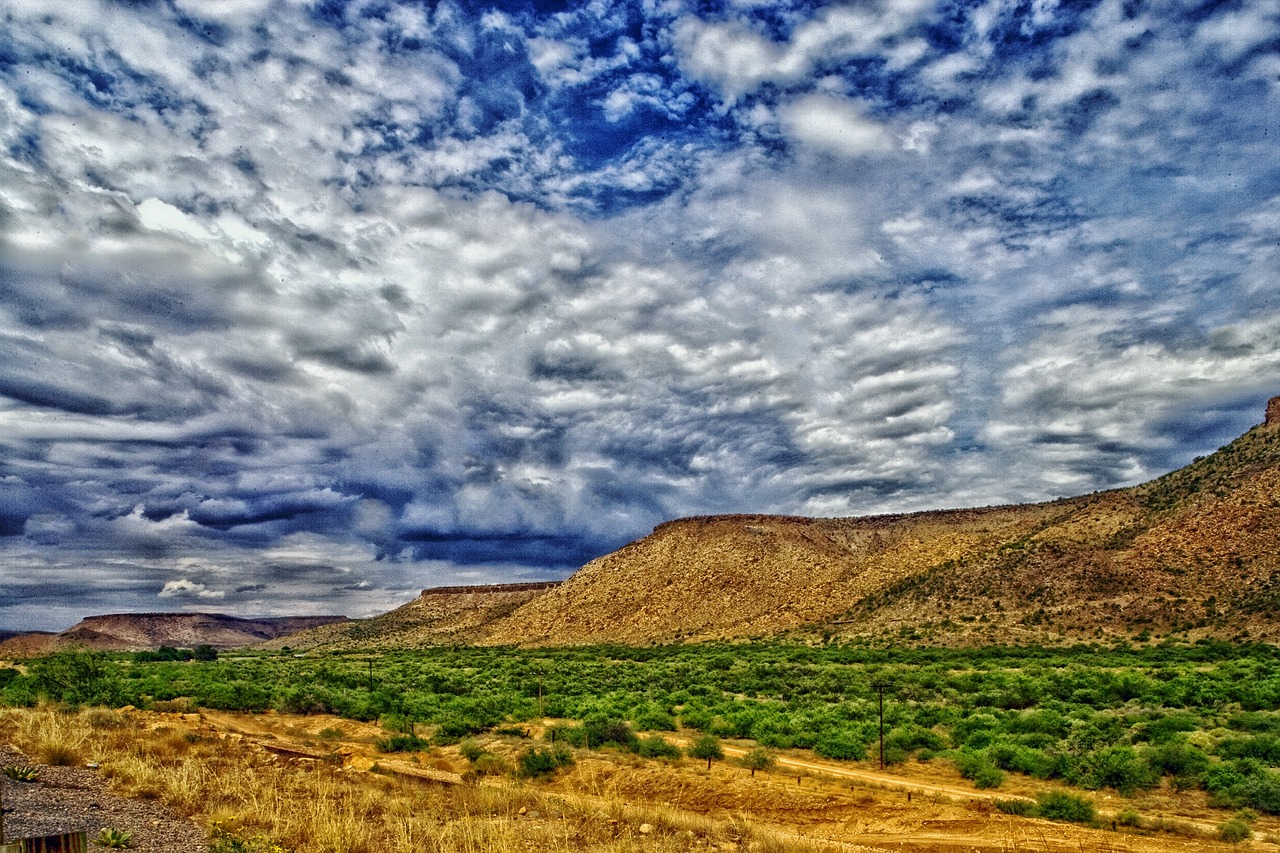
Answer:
(187, 589)
(225, 11)
(736, 59)
(836, 126)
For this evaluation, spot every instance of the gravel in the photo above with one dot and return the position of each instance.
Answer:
(69, 799)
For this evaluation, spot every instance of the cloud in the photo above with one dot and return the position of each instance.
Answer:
(737, 59)
(836, 126)
(186, 589)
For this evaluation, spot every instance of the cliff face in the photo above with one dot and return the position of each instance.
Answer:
(1198, 549)
(743, 576)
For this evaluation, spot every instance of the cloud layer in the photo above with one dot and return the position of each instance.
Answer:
(306, 306)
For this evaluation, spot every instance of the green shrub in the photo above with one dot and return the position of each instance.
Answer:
(1021, 759)
(656, 746)
(543, 761)
(979, 768)
(901, 743)
(652, 718)
(759, 759)
(116, 839)
(1177, 758)
(1117, 767)
(1061, 805)
(609, 731)
(708, 747)
(566, 733)
(1235, 830)
(1167, 727)
(1263, 747)
(471, 749)
(1128, 816)
(1262, 792)
(452, 729)
(1021, 808)
(402, 743)
(842, 745)
(22, 772)
(488, 764)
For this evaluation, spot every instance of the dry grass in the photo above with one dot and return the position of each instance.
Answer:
(253, 801)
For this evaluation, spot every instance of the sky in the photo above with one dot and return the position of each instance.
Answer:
(306, 306)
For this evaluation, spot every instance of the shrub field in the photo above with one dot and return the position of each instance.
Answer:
(1187, 715)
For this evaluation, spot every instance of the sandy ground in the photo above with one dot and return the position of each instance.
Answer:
(838, 805)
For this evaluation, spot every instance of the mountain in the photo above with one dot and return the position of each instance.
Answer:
(1196, 550)
(137, 631)
(446, 614)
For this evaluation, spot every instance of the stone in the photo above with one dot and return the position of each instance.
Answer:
(1273, 412)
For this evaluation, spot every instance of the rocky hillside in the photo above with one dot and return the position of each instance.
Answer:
(1197, 550)
(138, 631)
(447, 614)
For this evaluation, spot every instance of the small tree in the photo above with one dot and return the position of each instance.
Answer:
(708, 747)
(759, 759)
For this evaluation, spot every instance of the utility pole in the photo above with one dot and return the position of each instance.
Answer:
(881, 686)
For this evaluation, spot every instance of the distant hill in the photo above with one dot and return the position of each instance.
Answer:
(1196, 550)
(447, 614)
(139, 631)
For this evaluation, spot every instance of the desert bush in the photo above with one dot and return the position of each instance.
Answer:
(402, 743)
(1177, 758)
(601, 731)
(1117, 767)
(1064, 806)
(489, 764)
(566, 733)
(842, 744)
(1021, 759)
(471, 749)
(979, 768)
(1128, 816)
(1263, 747)
(759, 759)
(654, 718)
(901, 743)
(1234, 830)
(656, 746)
(1021, 808)
(543, 761)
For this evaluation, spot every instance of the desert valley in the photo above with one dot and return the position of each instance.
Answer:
(1092, 673)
